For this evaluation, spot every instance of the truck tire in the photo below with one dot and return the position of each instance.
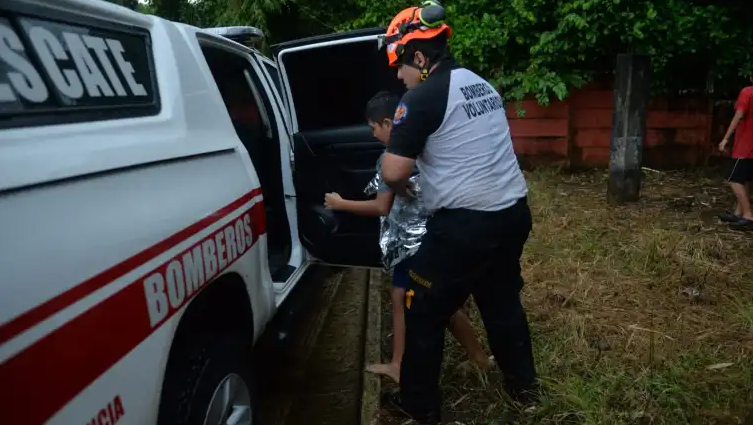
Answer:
(210, 383)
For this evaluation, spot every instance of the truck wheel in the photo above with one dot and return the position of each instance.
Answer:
(211, 384)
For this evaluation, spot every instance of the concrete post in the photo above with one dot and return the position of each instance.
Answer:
(631, 95)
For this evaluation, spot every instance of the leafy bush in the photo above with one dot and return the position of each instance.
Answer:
(542, 48)
(546, 47)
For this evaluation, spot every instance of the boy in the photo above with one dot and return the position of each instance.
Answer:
(403, 224)
(740, 166)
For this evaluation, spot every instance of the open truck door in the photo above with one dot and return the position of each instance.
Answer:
(327, 82)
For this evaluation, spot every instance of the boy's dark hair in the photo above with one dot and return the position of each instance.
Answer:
(382, 106)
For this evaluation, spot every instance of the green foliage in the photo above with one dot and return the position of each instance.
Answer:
(546, 47)
(280, 20)
(540, 48)
(210, 13)
(146, 8)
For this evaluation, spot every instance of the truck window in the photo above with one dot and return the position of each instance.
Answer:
(229, 71)
(57, 73)
(235, 78)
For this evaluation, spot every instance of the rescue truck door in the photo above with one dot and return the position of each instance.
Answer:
(327, 81)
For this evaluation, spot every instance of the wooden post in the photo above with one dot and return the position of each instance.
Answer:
(631, 95)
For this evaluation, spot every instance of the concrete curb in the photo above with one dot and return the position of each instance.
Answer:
(371, 389)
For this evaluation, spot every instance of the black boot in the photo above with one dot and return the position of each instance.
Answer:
(392, 402)
(528, 396)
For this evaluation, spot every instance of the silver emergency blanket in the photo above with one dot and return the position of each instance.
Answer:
(401, 231)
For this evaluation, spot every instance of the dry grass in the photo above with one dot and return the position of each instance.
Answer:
(639, 314)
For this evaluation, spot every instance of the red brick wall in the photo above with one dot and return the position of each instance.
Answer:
(591, 126)
(678, 133)
(577, 132)
(541, 135)
(720, 120)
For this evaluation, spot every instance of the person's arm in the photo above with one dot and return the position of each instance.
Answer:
(739, 114)
(741, 106)
(379, 206)
(396, 170)
(419, 114)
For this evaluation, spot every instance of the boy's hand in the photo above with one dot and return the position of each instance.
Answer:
(332, 201)
(723, 145)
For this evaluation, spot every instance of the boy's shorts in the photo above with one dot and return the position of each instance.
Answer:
(739, 170)
(400, 277)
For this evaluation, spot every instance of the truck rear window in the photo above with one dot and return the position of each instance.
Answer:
(54, 72)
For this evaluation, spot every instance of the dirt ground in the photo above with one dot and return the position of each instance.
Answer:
(316, 378)
(641, 314)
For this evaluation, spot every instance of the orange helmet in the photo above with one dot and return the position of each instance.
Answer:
(414, 23)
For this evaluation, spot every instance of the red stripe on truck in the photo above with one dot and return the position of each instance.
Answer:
(31, 318)
(44, 377)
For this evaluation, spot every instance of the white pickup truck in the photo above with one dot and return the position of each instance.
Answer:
(160, 198)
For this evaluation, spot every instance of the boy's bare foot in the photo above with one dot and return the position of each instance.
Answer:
(485, 362)
(390, 370)
(478, 365)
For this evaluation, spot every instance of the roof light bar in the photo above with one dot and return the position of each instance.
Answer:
(241, 34)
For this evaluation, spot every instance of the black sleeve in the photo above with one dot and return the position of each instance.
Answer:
(419, 114)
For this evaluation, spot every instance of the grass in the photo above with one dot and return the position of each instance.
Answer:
(641, 314)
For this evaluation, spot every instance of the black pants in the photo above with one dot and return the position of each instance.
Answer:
(466, 252)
